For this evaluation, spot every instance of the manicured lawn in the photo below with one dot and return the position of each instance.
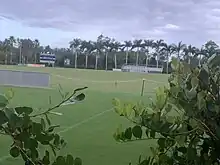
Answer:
(88, 126)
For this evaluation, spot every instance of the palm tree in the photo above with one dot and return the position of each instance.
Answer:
(116, 45)
(127, 45)
(179, 48)
(189, 51)
(7, 46)
(87, 47)
(99, 47)
(74, 45)
(36, 49)
(137, 44)
(12, 41)
(157, 46)
(147, 44)
(169, 50)
(107, 49)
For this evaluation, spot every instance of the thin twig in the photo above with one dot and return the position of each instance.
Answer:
(58, 105)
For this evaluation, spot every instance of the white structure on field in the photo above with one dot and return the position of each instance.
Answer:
(140, 69)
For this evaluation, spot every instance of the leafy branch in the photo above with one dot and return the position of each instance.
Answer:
(28, 134)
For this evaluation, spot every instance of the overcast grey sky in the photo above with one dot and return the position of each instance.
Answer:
(56, 22)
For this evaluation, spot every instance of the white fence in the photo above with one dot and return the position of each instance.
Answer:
(138, 68)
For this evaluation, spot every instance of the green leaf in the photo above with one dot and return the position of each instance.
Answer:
(47, 119)
(78, 161)
(214, 60)
(25, 110)
(162, 143)
(128, 133)
(174, 63)
(3, 118)
(51, 128)
(14, 152)
(137, 131)
(182, 149)
(191, 153)
(116, 102)
(3, 101)
(43, 124)
(80, 97)
(79, 89)
(152, 134)
(30, 143)
(194, 82)
(60, 160)
(56, 139)
(204, 78)
(69, 160)
(46, 158)
(36, 128)
(14, 120)
(191, 94)
(160, 97)
(201, 100)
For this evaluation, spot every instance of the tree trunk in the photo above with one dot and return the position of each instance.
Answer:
(96, 62)
(115, 61)
(75, 59)
(146, 62)
(189, 59)
(137, 57)
(86, 61)
(106, 61)
(157, 60)
(167, 63)
(11, 58)
(6, 58)
(126, 57)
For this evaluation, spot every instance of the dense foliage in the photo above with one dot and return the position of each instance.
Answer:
(105, 52)
(184, 118)
(31, 131)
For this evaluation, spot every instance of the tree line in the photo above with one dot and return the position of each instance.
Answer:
(105, 53)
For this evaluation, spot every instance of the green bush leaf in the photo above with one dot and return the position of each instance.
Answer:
(51, 128)
(43, 124)
(182, 149)
(14, 152)
(78, 161)
(46, 158)
(137, 131)
(36, 128)
(80, 97)
(69, 160)
(162, 143)
(56, 140)
(25, 110)
(30, 143)
(60, 160)
(3, 101)
(128, 133)
(3, 118)
(47, 119)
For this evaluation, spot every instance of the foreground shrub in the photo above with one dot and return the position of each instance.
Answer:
(184, 118)
(20, 124)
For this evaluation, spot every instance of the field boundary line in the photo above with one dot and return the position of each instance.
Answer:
(85, 120)
(119, 81)
(72, 126)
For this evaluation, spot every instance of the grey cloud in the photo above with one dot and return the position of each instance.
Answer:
(197, 20)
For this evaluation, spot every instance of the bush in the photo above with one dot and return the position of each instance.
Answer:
(184, 119)
(19, 123)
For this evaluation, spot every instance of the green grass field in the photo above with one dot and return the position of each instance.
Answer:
(88, 126)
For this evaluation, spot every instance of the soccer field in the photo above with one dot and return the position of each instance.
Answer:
(88, 126)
